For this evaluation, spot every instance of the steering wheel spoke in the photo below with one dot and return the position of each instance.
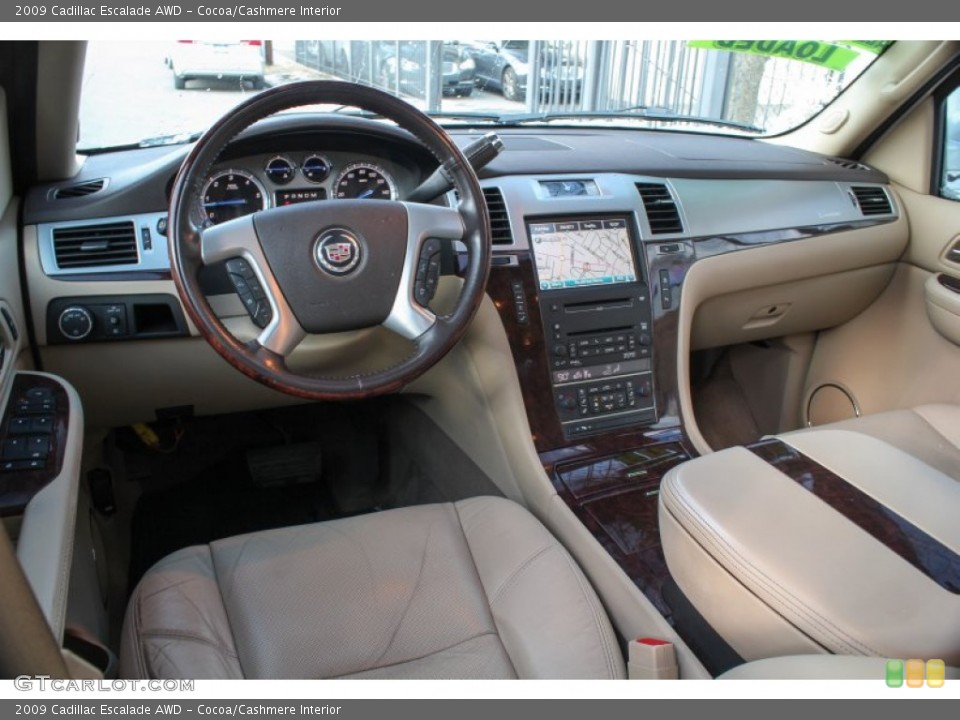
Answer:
(237, 240)
(427, 225)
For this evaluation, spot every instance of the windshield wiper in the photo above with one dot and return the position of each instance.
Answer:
(639, 112)
(171, 139)
(153, 141)
(470, 116)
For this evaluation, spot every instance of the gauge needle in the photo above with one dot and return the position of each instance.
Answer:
(221, 203)
(366, 193)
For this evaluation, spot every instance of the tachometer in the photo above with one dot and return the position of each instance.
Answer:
(363, 180)
(232, 193)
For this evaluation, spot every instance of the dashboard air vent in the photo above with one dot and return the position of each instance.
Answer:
(80, 189)
(499, 220)
(95, 245)
(662, 213)
(847, 164)
(871, 200)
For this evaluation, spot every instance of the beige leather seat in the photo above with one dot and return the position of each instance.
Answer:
(473, 589)
(848, 545)
(930, 433)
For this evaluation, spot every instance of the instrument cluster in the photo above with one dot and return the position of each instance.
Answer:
(257, 183)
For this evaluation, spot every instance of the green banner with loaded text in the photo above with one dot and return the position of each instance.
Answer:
(816, 52)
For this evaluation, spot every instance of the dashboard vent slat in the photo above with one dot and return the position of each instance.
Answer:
(661, 208)
(80, 189)
(871, 200)
(847, 164)
(499, 219)
(93, 245)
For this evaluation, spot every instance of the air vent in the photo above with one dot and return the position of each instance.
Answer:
(662, 213)
(499, 220)
(872, 200)
(80, 189)
(847, 164)
(95, 245)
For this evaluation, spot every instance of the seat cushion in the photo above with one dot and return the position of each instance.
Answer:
(930, 433)
(473, 589)
(854, 553)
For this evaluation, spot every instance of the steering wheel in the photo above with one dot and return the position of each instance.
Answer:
(330, 266)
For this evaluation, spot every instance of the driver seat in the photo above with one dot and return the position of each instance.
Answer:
(472, 589)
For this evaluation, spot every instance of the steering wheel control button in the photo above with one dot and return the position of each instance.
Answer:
(262, 315)
(75, 322)
(251, 292)
(338, 251)
(428, 272)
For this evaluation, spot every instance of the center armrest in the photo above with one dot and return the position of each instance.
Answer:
(826, 540)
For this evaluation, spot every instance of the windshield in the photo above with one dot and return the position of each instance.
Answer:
(149, 93)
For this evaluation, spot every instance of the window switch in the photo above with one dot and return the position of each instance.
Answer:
(21, 425)
(42, 424)
(15, 448)
(38, 447)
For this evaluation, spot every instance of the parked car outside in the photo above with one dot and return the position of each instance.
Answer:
(458, 68)
(203, 60)
(505, 66)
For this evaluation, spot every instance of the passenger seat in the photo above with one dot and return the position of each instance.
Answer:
(930, 433)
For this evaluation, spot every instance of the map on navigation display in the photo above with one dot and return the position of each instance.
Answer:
(582, 252)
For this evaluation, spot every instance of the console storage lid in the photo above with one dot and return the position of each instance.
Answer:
(822, 541)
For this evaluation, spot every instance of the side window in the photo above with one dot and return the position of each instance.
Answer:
(950, 165)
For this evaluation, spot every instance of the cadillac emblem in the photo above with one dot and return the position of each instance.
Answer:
(338, 251)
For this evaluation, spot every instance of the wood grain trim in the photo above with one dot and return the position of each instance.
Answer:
(927, 554)
(17, 488)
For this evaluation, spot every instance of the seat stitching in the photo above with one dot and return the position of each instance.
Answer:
(233, 566)
(147, 596)
(789, 603)
(223, 603)
(483, 589)
(192, 604)
(431, 654)
(141, 660)
(161, 650)
(190, 637)
(519, 571)
(413, 593)
(598, 614)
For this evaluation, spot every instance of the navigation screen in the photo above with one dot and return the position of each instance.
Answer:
(577, 253)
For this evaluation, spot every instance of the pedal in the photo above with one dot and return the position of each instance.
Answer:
(295, 464)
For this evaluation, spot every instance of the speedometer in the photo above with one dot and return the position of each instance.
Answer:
(231, 194)
(365, 181)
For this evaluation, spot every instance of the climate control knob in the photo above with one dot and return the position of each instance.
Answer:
(75, 322)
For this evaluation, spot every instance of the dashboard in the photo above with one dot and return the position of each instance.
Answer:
(616, 252)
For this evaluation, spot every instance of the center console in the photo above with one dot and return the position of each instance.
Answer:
(596, 316)
(588, 292)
